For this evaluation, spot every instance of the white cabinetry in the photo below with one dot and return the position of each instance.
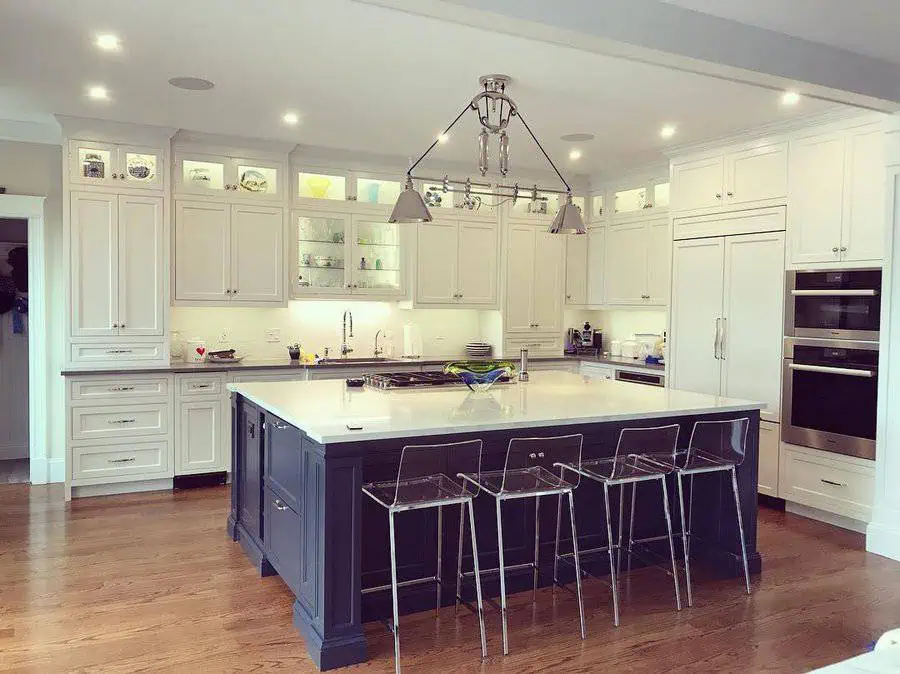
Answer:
(769, 451)
(577, 268)
(231, 177)
(836, 196)
(200, 425)
(229, 253)
(535, 270)
(596, 265)
(457, 263)
(117, 166)
(117, 248)
(697, 184)
(637, 262)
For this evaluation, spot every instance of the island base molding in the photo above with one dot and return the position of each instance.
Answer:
(333, 652)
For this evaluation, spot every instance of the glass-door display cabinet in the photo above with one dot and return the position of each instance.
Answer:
(321, 253)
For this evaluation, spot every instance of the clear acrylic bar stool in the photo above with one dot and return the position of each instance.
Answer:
(423, 482)
(533, 468)
(624, 468)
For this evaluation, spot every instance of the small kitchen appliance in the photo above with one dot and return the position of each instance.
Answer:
(584, 340)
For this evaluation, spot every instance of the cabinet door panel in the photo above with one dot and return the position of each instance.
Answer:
(576, 268)
(659, 256)
(437, 262)
(596, 265)
(696, 184)
(94, 264)
(520, 278)
(141, 166)
(626, 263)
(815, 192)
(257, 254)
(756, 174)
(769, 446)
(549, 274)
(259, 179)
(251, 458)
(696, 304)
(202, 251)
(199, 446)
(863, 232)
(478, 263)
(93, 163)
(753, 312)
(378, 258)
(142, 296)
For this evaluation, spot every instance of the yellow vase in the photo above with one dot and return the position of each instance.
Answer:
(318, 186)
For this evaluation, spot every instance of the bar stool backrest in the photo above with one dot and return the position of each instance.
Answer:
(722, 439)
(658, 440)
(418, 462)
(532, 454)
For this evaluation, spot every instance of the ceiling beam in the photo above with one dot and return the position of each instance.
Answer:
(658, 33)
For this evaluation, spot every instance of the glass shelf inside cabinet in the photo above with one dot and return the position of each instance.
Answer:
(95, 164)
(320, 252)
(257, 179)
(378, 256)
(661, 195)
(208, 175)
(597, 206)
(321, 186)
(141, 167)
(371, 191)
(630, 201)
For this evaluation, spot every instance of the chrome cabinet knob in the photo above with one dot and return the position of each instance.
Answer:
(121, 325)
(718, 195)
(115, 325)
(835, 249)
(730, 194)
(843, 249)
(234, 291)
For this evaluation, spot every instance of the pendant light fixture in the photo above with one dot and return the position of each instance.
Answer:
(494, 109)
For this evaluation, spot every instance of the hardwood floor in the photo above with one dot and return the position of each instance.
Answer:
(150, 582)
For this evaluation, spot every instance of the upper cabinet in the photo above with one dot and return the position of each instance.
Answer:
(836, 197)
(233, 177)
(753, 176)
(637, 255)
(114, 165)
(635, 199)
(577, 269)
(535, 274)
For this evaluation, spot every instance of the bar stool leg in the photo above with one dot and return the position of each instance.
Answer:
(740, 519)
(477, 575)
(556, 547)
(502, 579)
(396, 625)
(621, 528)
(537, 544)
(459, 554)
(665, 495)
(440, 555)
(577, 562)
(612, 563)
(631, 522)
(685, 537)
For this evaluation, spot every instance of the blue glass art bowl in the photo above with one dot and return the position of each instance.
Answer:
(480, 375)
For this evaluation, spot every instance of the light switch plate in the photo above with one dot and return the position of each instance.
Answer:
(273, 335)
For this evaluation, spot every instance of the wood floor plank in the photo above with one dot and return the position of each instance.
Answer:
(150, 582)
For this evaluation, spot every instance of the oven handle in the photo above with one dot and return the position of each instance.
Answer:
(868, 374)
(835, 293)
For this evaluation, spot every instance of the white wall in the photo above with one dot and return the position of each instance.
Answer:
(36, 169)
(13, 368)
(317, 323)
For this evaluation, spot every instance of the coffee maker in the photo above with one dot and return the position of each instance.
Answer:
(584, 340)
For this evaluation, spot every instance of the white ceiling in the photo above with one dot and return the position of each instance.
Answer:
(361, 78)
(868, 27)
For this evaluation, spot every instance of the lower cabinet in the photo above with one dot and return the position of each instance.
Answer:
(283, 537)
(200, 424)
(769, 450)
(250, 469)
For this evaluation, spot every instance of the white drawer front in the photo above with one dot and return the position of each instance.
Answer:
(93, 464)
(190, 385)
(536, 347)
(118, 389)
(116, 353)
(832, 485)
(119, 421)
(597, 371)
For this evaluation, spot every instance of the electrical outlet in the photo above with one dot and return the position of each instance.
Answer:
(273, 335)
(223, 337)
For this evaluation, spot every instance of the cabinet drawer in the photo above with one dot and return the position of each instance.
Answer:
(109, 352)
(537, 346)
(298, 374)
(93, 464)
(283, 459)
(190, 385)
(283, 537)
(118, 388)
(597, 371)
(119, 421)
(835, 485)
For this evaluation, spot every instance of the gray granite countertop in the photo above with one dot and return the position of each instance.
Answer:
(180, 367)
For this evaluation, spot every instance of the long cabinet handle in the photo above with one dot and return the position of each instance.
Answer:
(117, 389)
(128, 460)
(723, 338)
(121, 421)
(716, 340)
(837, 292)
(824, 369)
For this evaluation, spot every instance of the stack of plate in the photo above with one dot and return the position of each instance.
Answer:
(478, 350)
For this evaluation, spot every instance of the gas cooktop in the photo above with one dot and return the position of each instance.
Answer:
(392, 380)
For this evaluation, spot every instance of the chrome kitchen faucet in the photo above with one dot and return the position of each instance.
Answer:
(345, 348)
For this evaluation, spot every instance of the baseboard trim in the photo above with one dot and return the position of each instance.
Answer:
(13, 452)
(56, 470)
(824, 516)
(883, 540)
(121, 488)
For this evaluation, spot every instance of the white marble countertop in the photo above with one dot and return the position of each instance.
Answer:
(329, 412)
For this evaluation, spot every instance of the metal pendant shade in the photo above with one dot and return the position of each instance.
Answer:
(568, 217)
(410, 206)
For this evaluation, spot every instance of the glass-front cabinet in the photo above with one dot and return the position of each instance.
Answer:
(342, 254)
(234, 176)
(375, 191)
(330, 186)
(112, 165)
(643, 197)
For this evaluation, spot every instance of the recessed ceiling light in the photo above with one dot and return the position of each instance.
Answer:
(577, 137)
(574, 155)
(98, 93)
(790, 98)
(442, 138)
(290, 118)
(667, 131)
(191, 83)
(108, 42)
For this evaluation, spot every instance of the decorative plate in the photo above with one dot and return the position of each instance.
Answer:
(140, 168)
(254, 181)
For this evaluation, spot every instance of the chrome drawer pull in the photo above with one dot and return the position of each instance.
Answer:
(279, 427)
(128, 460)
(198, 386)
(121, 421)
(833, 484)
(122, 388)
(279, 504)
(118, 351)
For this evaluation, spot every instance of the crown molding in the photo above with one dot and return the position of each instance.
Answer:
(113, 132)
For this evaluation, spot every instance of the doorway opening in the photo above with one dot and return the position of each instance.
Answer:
(14, 360)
